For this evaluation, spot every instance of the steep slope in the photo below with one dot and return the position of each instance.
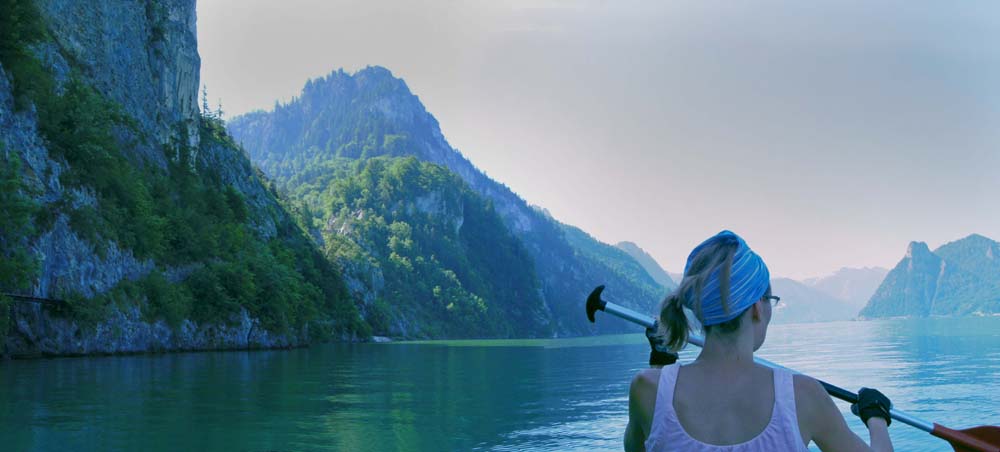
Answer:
(142, 215)
(970, 283)
(429, 256)
(619, 261)
(801, 303)
(958, 278)
(370, 114)
(853, 285)
(649, 264)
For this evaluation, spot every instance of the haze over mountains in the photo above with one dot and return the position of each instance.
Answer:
(853, 285)
(649, 264)
(825, 299)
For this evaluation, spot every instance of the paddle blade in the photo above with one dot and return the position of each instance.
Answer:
(985, 438)
(595, 303)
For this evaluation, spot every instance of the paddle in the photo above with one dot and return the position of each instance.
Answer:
(985, 438)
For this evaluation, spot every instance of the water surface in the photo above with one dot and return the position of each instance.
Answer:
(521, 395)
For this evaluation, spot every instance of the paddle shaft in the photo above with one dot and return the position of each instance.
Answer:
(835, 391)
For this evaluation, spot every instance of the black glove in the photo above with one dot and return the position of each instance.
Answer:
(872, 403)
(659, 354)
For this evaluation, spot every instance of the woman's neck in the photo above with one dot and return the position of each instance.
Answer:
(733, 350)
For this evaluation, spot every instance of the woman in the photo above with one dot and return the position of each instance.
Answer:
(723, 400)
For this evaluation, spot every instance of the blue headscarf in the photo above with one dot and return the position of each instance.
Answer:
(748, 281)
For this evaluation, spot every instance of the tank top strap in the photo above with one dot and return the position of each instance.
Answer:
(785, 413)
(663, 412)
(665, 388)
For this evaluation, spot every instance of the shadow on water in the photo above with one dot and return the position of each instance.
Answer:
(461, 395)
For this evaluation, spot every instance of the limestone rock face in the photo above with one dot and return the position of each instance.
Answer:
(141, 54)
(38, 333)
(958, 278)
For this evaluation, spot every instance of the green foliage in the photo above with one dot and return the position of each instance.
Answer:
(178, 217)
(5, 313)
(450, 266)
(17, 265)
(614, 259)
(171, 302)
(20, 27)
(88, 311)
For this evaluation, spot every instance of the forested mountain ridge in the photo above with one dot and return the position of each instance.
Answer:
(958, 278)
(370, 114)
(430, 257)
(136, 209)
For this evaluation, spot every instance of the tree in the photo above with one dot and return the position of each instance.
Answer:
(204, 102)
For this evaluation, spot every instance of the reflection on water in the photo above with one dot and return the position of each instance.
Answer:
(463, 395)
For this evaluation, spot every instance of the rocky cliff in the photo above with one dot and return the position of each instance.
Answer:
(958, 278)
(142, 55)
(141, 207)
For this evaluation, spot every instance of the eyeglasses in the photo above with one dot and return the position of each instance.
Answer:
(772, 299)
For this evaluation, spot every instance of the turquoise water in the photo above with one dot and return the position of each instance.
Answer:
(548, 395)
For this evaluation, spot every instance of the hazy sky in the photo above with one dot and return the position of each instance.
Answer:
(828, 134)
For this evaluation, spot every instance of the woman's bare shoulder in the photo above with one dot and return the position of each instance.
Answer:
(808, 389)
(642, 397)
(647, 376)
(813, 405)
(644, 383)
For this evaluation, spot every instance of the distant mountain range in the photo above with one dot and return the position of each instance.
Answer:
(852, 285)
(959, 278)
(801, 303)
(824, 299)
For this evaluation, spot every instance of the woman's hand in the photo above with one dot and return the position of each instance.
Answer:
(872, 403)
(659, 354)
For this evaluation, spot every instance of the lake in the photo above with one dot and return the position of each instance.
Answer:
(514, 395)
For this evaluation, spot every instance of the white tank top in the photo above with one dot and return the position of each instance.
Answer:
(781, 433)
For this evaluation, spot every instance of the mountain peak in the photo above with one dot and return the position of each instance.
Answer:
(917, 248)
(374, 71)
(375, 78)
(978, 240)
(958, 278)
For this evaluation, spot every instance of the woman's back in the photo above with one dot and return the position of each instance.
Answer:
(696, 410)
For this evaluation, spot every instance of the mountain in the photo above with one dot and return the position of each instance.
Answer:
(853, 285)
(131, 209)
(649, 264)
(801, 303)
(958, 278)
(621, 262)
(373, 114)
(430, 257)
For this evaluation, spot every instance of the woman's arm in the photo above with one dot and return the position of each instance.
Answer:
(878, 430)
(828, 429)
(641, 397)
